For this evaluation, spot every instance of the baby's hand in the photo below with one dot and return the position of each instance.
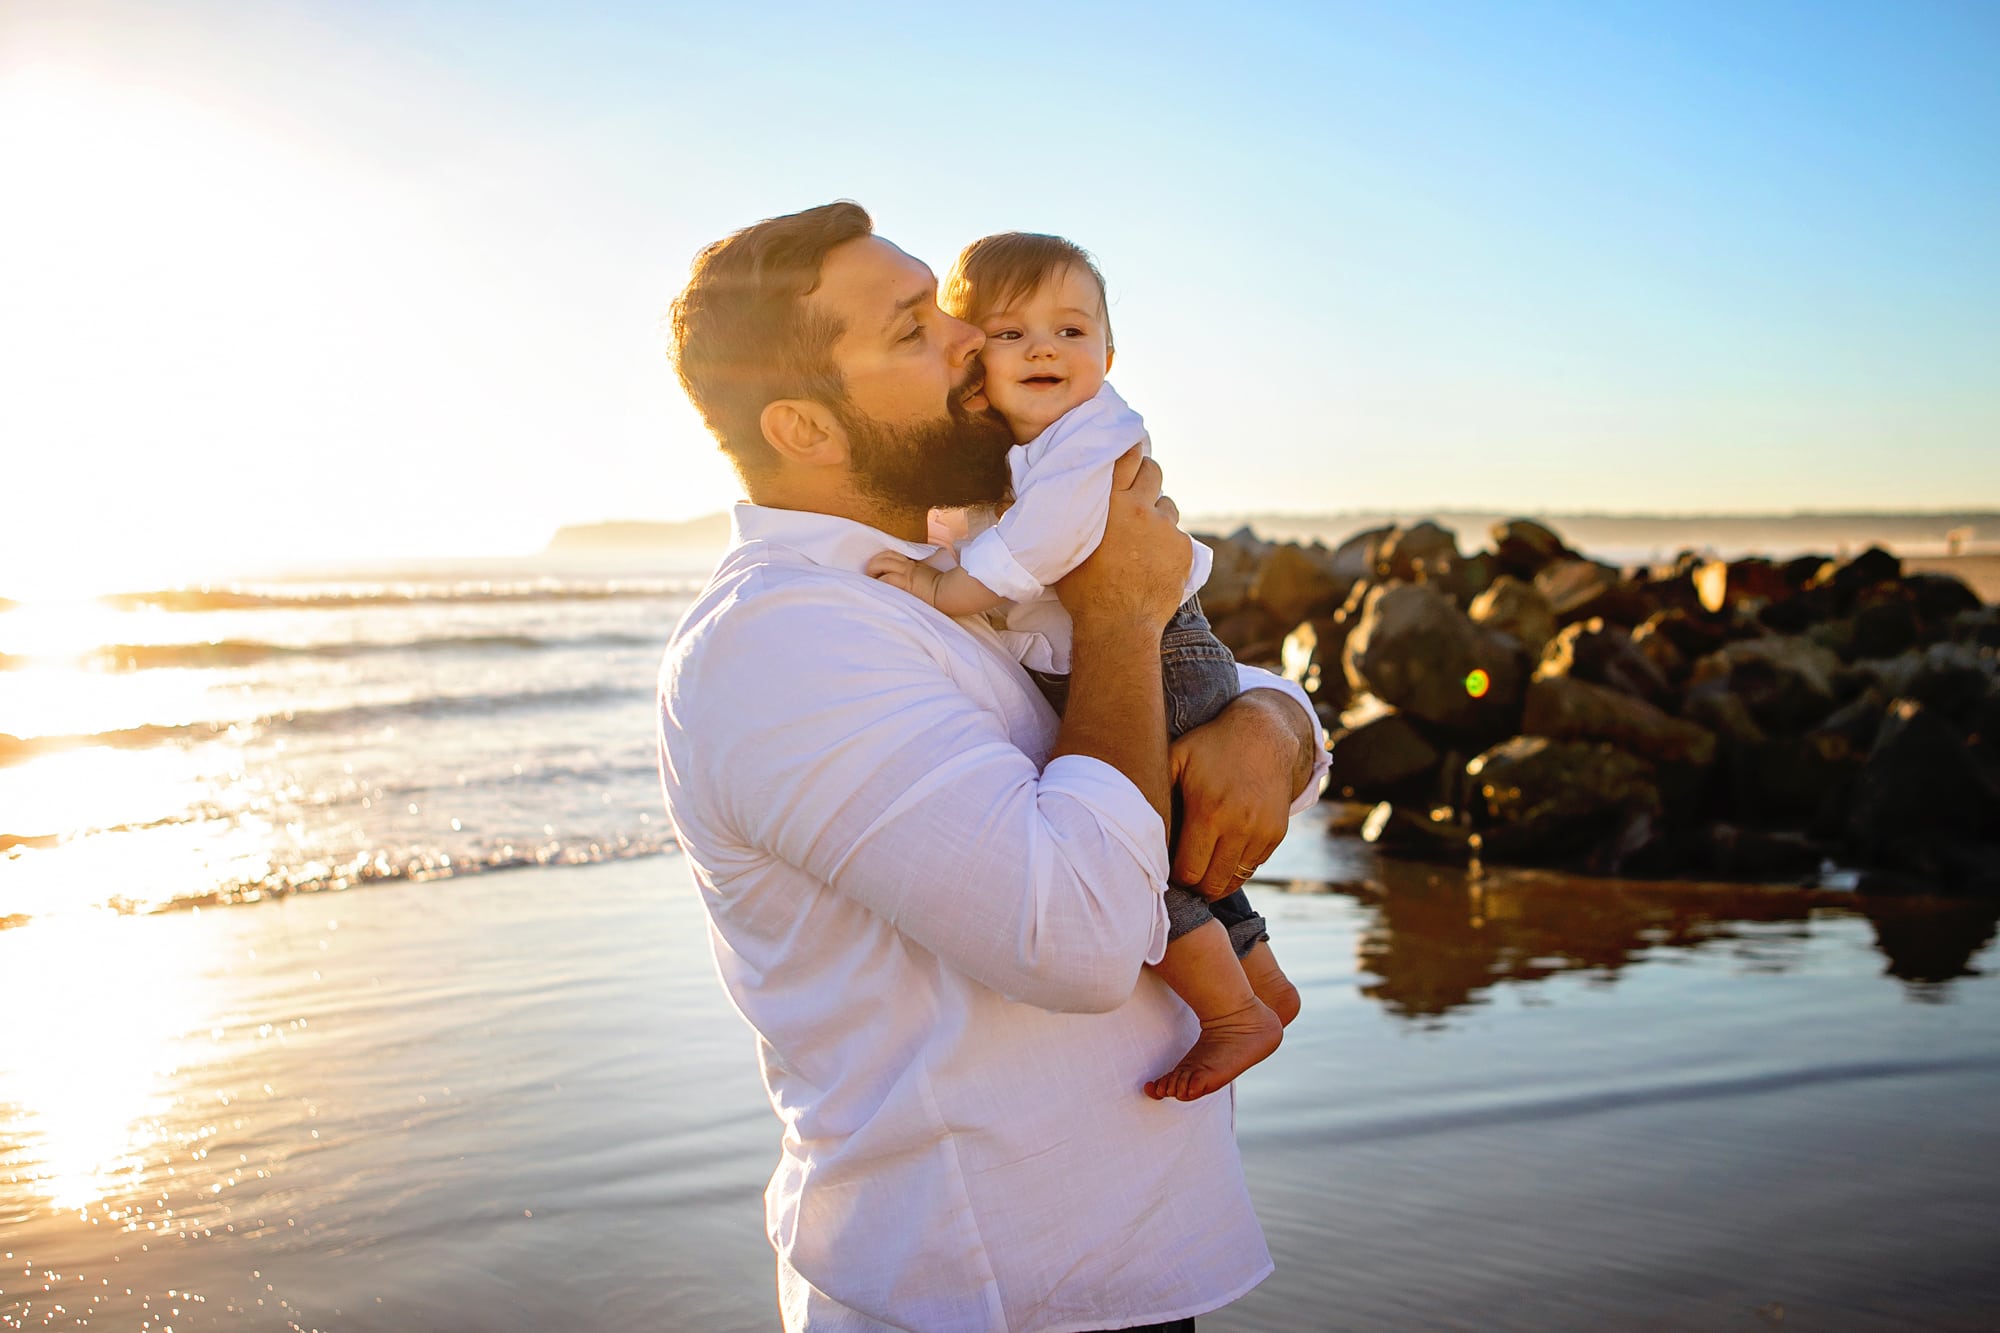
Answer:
(899, 571)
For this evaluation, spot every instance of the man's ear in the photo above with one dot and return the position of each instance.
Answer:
(803, 431)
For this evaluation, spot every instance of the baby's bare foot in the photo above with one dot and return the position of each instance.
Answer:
(1229, 1044)
(1270, 983)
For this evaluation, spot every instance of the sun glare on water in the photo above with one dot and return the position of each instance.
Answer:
(98, 1012)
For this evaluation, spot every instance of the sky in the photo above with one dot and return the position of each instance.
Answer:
(329, 280)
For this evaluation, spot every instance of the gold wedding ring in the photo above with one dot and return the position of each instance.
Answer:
(1245, 872)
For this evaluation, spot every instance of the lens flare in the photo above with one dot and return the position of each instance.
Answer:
(1477, 683)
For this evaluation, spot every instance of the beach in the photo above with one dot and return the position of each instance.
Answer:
(356, 983)
(520, 1100)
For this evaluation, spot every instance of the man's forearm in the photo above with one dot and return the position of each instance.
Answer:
(1283, 712)
(1116, 710)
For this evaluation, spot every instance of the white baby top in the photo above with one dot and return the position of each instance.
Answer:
(1062, 492)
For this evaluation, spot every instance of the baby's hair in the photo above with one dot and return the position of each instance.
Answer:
(996, 269)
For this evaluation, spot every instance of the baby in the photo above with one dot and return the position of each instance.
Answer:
(1040, 301)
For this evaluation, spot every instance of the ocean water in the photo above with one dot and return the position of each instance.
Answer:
(177, 747)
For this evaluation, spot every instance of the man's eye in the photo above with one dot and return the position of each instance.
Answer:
(914, 335)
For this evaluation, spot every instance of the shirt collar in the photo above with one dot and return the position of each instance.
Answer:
(824, 539)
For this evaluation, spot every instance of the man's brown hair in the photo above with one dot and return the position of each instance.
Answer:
(996, 269)
(742, 334)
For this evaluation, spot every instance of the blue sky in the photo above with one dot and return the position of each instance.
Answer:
(405, 264)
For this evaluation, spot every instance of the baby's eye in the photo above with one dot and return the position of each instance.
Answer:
(1070, 331)
(1004, 336)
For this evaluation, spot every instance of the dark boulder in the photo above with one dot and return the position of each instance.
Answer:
(1355, 559)
(1312, 657)
(1983, 730)
(1604, 655)
(1885, 621)
(1694, 635)
(1787, 682)
(1730, 851)
(1755, 579)
(1575, 587)
(1567, 709)
(1949, 863)
(1412, 831)
(1535, 799)
(1845, 581)
(1939, 597)
(1523, 547)
(1252, 633)
(1954, 690)
(1378, 754)
(1237, 557)
(1579, 589)
(1296, 582)
(1513, 606)
(1919, 780)
(1792, 781)
(1795, 614)
(1714, 707)
(1420, 553)
(1417, 651)
(1857, 721)
(1799, 572)
(1980, 628)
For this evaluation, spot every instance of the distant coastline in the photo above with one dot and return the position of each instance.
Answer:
(1623, 537)
(708, 530)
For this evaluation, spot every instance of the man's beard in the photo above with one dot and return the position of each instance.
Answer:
(959, 459)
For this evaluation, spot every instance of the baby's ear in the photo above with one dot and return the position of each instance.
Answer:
(1110, 354)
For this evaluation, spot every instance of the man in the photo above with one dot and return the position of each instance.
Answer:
(930, 898)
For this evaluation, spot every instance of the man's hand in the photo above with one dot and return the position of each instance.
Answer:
(1139, 571)
(1237, 777)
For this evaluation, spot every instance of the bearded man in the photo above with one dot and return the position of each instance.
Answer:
(931, 898)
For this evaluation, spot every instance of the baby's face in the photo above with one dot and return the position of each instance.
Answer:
(1046, 352)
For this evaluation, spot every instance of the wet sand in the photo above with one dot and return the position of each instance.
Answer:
(520, 1101)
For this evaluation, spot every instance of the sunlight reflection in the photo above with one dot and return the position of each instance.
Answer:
(85, 1054)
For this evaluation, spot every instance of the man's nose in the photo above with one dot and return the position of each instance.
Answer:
(970, 338)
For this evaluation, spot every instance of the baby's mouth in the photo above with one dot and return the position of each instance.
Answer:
(1042, 381)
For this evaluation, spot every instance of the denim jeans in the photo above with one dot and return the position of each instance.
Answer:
(1199, 673)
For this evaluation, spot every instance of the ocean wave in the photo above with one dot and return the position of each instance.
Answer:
(248, 652)
(350, 717)
(380, 868)
(362, 716)
(19, 749)
(253, 599)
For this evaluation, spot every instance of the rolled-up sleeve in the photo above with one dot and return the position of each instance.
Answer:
(1256, 678)
(856, 757)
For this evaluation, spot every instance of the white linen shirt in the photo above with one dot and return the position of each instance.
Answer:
(937, 933)
(1062, 495)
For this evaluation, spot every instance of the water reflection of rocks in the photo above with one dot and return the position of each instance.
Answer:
(1442, 937)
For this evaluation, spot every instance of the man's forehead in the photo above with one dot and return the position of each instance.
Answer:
(869, 282)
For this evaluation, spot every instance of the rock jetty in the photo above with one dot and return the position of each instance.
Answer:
(1746, 719)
